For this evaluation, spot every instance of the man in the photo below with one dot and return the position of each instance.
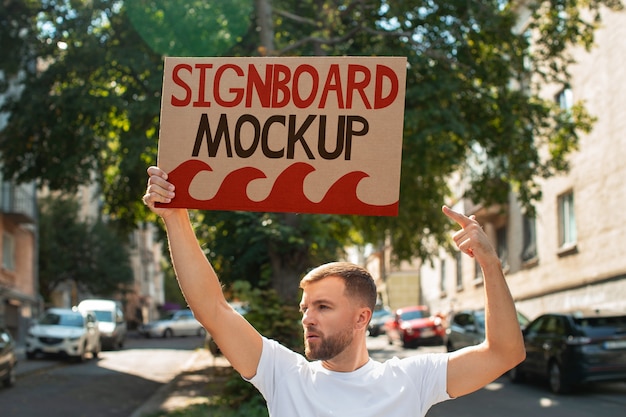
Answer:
(337, 304)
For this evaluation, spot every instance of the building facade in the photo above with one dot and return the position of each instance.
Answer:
(19, 299)
(19, 289)
(570, 255)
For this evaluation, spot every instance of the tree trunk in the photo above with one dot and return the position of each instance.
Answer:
(266, 26)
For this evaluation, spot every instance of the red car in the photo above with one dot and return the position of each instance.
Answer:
(415, 326)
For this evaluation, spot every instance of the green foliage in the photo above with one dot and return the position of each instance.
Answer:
(270, 248)
(90, 255)
(274, 319)
(91, 72)
(192, 28)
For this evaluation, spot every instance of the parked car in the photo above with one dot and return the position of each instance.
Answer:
(574, 347)
(415, 326)
(467, 328)
(379, 317)
(110, 321)
(178, 323)
(66, 332)
(8, 358)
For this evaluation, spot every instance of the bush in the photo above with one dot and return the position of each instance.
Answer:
(274, 320)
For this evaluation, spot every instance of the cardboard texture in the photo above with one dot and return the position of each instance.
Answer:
(304, 135)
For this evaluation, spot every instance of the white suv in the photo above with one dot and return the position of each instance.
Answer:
(66, 332)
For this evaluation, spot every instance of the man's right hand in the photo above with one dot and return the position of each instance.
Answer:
(159, 190)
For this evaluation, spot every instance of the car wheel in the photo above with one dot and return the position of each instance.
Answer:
(30, 355)
(405, 344)
(558, 385)
(10, 379)
(516, 375)
(96, 350)
(168, 333)
(82, 355)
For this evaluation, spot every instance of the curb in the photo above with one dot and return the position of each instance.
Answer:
(155, 401)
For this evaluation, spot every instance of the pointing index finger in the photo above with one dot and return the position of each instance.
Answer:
(459, 218)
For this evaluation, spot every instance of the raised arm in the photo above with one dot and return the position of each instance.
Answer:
(472, 368)
(240, 343)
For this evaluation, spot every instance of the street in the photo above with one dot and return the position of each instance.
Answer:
(114, 385)
(118, 382)
(502, 398)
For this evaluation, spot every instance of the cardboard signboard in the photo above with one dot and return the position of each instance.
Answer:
(304, 135)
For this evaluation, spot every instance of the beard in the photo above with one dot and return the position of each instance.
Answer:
(327, 347)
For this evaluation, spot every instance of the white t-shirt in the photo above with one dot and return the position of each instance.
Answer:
(294, 387)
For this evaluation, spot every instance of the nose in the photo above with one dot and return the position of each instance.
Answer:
(307, 319)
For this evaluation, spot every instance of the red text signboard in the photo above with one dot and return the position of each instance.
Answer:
(306, 135)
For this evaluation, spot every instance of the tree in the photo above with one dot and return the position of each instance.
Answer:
(473, 102)
(90, 256)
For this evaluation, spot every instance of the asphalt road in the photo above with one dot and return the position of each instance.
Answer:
(531, 399)
(118, 383)
(113, 385)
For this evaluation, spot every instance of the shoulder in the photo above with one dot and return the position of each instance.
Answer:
(418, 365)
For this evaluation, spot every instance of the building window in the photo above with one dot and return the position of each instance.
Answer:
(529, 250)
(478, 273)
(8, 252)
(567, 220)
(565, 99)
(459, 270)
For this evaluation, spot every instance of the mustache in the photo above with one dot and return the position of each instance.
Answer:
(312, 330)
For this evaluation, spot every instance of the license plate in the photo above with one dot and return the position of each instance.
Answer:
(428, 333)
(49, 349)
(615, 344)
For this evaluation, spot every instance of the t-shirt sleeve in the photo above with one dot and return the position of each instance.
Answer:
(431, 372)
(266, 375)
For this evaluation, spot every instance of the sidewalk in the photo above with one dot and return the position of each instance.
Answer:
(197, 381)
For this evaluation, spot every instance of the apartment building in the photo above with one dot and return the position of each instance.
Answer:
(19, 299)
(570, 255)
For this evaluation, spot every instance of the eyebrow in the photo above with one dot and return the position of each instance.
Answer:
(317, 302)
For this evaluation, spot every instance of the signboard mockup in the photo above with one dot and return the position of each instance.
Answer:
(304, 135)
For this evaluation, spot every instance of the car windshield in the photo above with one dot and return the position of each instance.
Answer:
(71, 320)
(601, 326)
(480, 319)
(106, 316)
(415, 314)
(381, 313)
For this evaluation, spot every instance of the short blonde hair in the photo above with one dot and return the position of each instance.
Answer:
(358, 281)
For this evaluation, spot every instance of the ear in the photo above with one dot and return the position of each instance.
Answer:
(363, 318)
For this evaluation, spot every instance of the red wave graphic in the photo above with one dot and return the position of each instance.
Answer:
(287, 194)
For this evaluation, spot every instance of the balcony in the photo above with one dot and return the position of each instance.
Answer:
(17, 202)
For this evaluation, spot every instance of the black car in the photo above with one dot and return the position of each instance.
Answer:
(467, 328)
(8, 359)
(575, 347)
(379, 317)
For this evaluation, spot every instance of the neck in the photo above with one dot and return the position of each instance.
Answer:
(351, 359)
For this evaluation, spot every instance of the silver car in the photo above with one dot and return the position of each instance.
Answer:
(179, 323)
